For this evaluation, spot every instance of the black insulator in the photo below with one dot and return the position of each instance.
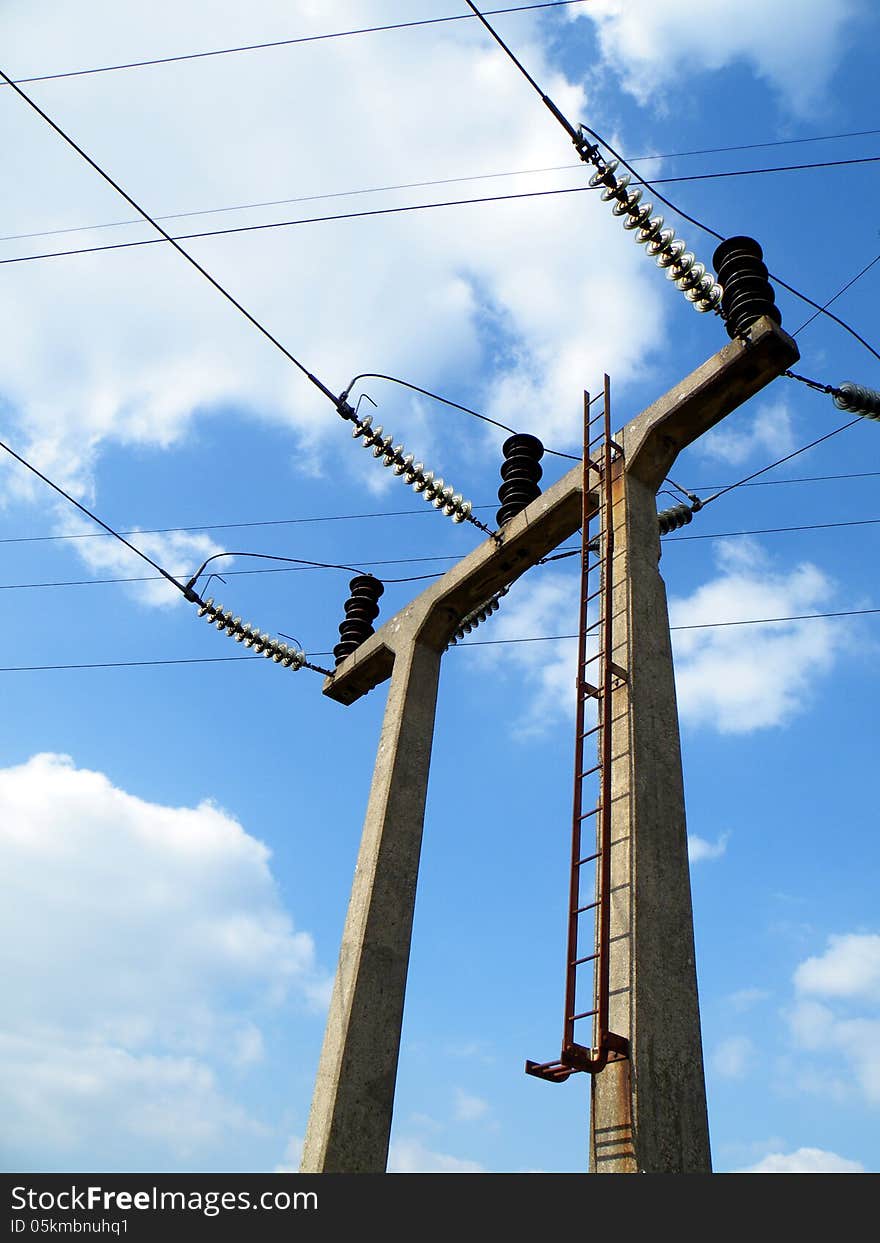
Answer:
(671, 519)
(361, 610)
(521, 473)
(747, 292)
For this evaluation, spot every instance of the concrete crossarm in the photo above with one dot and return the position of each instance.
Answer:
(433, 617)
(654, 439)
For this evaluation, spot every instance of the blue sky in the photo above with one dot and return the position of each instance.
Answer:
(180, 838)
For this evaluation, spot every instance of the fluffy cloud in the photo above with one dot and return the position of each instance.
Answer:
(143, 945)
(768, 432)
(805, 1161)
(837, 999)
(469, 1108)
(699, 849)
(849, 969)
(733, 679)
(548, 669)
(733, 1056)
(131, 347)
(794, 45)
(741, 678)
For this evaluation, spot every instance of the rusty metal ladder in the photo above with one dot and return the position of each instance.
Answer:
(599, 450)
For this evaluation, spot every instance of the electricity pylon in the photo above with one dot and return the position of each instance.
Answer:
(648, 1107)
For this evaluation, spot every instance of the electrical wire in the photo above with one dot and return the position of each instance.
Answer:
(576, 136)
(668, 540)
(781, 460)
(849, 284)
(730, 487)
(542, 638)
(415, 207)
(256, 47)
(391, 513)
(373, 375)
(108, 529)
(168, 238)
(448, 181)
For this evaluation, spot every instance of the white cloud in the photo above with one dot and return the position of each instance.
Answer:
(549, 669)
(741, 678)
(838, 1005)
(129, 348)
(805, 1161)
(469, 1108)
(795, 45)
(181, 553)
(746, 998)
(733, 679)
(699, 849)
(849, 968)
(144, 945)
(733, 1057)
(768, 432)
(410, 1156)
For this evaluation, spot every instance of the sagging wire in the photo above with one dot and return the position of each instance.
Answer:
(848, 396)
(682, 266)
(374, 375)
(187, 591)
(443, 498)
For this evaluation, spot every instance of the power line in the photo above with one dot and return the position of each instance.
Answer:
(448, 181)
(849, 284)
(306, 565)
(168, 238)
(415, 207)
(256, 47)
(390, 513)
(586, 152)
(109, 530)
(542, 638)
(779, 461)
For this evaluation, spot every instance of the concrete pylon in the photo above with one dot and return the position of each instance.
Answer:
(649, 1112)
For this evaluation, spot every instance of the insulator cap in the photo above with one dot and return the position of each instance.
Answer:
(747, 292)
(521, 473)
(857, 399)
(361, 610)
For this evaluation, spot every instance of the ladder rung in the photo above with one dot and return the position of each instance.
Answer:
(586, 815)
(588, 858)
(594, 730)
(591, 691)
(588, 772)
(589, 907)
(587, 958)
(573, 1018)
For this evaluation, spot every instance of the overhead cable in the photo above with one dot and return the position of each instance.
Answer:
(258, 47)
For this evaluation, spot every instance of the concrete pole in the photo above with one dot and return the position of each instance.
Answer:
(350, 1118)
(649, 1112)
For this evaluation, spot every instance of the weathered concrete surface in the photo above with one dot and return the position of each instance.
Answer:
(350, 1118)
(649, 1114)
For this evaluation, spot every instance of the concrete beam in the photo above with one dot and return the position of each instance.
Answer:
(690, 408)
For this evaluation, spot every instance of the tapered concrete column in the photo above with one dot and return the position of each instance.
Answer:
(649, 1113)
(350, 1120)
